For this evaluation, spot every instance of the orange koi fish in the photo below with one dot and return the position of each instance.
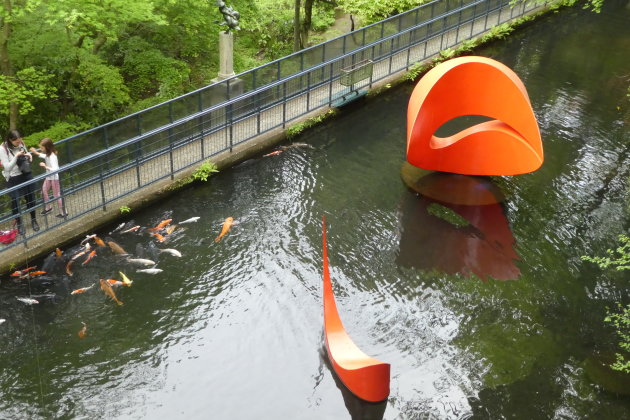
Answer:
(161, 225)
(59, 253)
(81, 290)
(117, 249)
(99, 241)
(133, 229)
(36, 273)
(105, 287)
(22, 272)
(226, 227)
(159, 237)
(69, 267)
(82, 331)
(89, 257)
(277, 152)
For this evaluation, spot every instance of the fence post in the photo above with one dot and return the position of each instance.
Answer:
(102, 187)
(229, 122)
(308, 91)
(330, 82)
(284, 104)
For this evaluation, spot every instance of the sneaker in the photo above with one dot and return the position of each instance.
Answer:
(62, 216)
(46, 211)
(35, 225)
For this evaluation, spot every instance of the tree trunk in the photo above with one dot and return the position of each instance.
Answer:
(6, 66)
(296, 27)
(307, 22)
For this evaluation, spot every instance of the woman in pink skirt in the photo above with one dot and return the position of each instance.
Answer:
(51, 182)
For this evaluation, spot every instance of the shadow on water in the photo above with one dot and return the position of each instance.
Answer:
(357, 408)
(455, 224)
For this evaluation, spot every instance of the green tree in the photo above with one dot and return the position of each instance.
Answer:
(10, 13)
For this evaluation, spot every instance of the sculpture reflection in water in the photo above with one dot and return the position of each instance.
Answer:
(455, 224)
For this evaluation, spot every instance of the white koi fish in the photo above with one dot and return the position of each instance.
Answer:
(2, 321)
(150, 271)
(191, 220)
(28, 301)
(120, 226)
(173, 252)
(141, 261)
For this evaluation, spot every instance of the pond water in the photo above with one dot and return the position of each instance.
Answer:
(484, 309)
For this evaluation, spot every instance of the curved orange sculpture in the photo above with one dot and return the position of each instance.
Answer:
(365, 377)
(508, 145)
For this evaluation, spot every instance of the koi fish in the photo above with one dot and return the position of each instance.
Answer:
(36, 273)
(140, 261)
(173, 252)
(191, 220)
(114, 283)
(28, 301)
(274, 153)
(89, 257)
(78, 254)
(170, 229)
(81, 290)
(150, 271)
(69, 267)
(125, 279)
(82, 331)
(99, 241)
(226, 227)
(120, 226)
(159, 237)
(87, 238)
(58, 253)
(161, 225)
(133, 229)
(2, 321)
(116, 249)
(296, 146)
(107, 289)
(20, 273)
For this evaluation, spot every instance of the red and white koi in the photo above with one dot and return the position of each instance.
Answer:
(81, 290)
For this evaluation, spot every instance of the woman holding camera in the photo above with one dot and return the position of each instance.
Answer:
(16, 164)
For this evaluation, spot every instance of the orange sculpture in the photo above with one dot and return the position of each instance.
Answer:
(365, 377)
(508, 145)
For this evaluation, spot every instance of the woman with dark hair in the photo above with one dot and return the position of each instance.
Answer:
(16, 168)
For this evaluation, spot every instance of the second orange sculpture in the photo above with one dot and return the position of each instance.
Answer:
(365, 377)
(508, 145)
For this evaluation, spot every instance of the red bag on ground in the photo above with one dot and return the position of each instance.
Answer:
(8, 236)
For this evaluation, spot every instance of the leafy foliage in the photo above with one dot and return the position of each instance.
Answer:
(621, 321)
(370, 11)
(619, 258)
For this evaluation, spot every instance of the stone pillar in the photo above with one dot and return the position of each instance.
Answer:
(226, 54)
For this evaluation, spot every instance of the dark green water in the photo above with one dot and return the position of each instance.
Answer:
(233, 330)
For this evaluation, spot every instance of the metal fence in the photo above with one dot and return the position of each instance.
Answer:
(126, 155)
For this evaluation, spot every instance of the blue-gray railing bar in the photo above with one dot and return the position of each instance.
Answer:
(69, 145)
(236, 111)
